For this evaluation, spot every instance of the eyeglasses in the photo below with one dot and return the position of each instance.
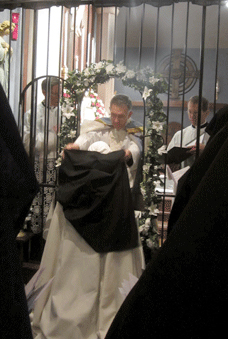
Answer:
(119, 117)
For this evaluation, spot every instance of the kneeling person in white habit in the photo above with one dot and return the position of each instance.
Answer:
(93, 242)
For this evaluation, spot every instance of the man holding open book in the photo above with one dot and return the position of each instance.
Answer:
(184, 140)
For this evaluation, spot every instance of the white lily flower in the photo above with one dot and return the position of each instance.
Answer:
(72, 134)
(120, 68)
(67, 110)
(130, 74)
(99, 65)
(153, 80)
(146, 93)
(147, 222)
(153, 210)
(143, 229)
(146, 168)
(157, 126)
(143, 191)
(92, 79)
(110, 68)
(146, 228)
(162, 150)
(87, 71)
(58, 162)
(68, 115)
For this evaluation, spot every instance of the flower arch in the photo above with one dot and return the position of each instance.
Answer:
(150, 86)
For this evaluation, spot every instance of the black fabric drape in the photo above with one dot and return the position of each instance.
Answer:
(38, 4)
(18, 187)
(217, 122)
(184, 290)
(96, 198)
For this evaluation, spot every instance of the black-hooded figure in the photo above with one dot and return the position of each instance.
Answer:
(18, 187)
(183, 292)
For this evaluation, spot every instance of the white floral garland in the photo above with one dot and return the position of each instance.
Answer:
(149, 85)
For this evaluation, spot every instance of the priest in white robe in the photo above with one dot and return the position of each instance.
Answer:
(46, 119)
(93, 241)
(188, 136)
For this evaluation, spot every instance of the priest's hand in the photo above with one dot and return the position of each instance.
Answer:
(70, 146)
(201, 148)
(192, 149)
(128, 155)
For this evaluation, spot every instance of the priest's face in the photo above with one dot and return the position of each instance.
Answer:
(119, 116)
(193, 114)
(55, 94)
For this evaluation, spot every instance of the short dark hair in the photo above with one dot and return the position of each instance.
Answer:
(121, 99)
(50, 81)
(204, 102)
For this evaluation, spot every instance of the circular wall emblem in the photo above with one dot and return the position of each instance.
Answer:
(183, 76)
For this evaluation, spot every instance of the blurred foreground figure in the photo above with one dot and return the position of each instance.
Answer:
(184, 291)
(18, 187)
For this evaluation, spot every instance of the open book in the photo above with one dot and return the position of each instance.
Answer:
(178, 154)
